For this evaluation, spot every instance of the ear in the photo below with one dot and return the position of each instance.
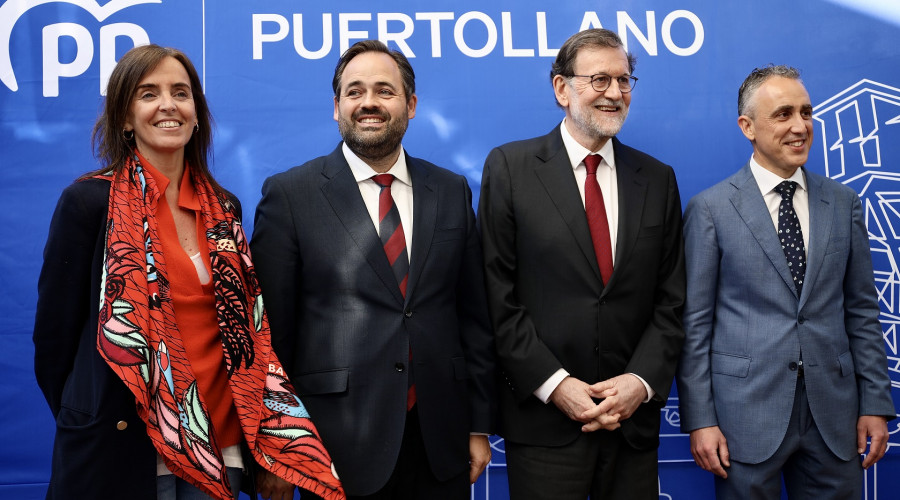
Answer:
(336, 114)
(561, 88)
(411, 106)
(746, 124)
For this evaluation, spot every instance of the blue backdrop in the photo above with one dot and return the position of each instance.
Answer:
(482, 72)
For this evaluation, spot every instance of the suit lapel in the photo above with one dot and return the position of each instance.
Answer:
(424, 220)
(821, 216)
(632, 193)
(342, 193)
(751, 207)
(555, 173)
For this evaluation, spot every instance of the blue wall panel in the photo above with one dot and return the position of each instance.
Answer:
(482, 76)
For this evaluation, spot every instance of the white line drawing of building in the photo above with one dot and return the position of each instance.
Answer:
(860, 143)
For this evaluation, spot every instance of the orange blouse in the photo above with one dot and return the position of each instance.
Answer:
(195, 310)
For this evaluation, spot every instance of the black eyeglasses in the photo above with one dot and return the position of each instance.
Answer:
(602, 82)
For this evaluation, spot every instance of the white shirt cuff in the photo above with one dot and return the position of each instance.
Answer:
(546, 389)
(650, 392)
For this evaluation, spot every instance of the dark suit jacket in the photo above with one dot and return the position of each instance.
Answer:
(101, 449)
(547, 302)
(344, 332)
(747, 327)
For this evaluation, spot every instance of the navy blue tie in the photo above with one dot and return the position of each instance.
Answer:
(790, 234)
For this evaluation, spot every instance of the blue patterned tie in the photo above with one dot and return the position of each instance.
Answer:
(790, 234)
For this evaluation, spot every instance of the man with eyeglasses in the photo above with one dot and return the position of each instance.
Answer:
(584, 266)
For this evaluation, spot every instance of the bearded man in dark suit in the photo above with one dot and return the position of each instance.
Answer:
(371, 268)
(585, 273)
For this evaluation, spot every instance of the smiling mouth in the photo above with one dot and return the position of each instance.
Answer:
(168, 124)
(796, 144)
(608, 109)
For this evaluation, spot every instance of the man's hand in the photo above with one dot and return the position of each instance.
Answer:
(479, 455)
(710, 450)
(272, 487)
(629, 394)
(573, 397)
(874, 427)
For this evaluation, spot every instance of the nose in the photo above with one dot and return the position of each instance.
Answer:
(613, 92)
(370, 100)
(166, 103)
(798, 123)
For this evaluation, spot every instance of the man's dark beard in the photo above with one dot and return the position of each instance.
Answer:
(372, 147)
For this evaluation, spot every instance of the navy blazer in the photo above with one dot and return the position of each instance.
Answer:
(548, 304)
(101, 448)
(345, 333)
(747, 328)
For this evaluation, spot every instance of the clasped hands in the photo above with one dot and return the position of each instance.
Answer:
(621, 397)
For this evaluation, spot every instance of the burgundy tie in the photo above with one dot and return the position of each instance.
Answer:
(390, 230)
(596, 216)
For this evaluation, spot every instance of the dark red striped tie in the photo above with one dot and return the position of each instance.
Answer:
(390, 230)
(596, 216)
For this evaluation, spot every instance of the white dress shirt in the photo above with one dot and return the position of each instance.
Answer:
(767, 181)
(401, 190)
(606, 177)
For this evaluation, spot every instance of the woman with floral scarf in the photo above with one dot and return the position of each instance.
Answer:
(152, 345)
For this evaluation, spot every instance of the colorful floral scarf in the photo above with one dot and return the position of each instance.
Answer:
(139, 338)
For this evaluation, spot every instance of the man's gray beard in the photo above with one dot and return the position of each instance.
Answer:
(373, 147)
(590, 125)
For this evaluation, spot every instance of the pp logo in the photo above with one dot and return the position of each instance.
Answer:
(53, 68)
(861, 145)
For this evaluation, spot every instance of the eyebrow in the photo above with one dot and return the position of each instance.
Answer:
(154, 86)
(791, 107)
(779, 109)
(356, 83)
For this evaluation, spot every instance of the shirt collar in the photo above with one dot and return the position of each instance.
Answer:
(768, 180)
(577, 152)
(362, 171)
(187, 196)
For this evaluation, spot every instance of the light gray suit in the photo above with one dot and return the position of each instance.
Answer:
(746, 327)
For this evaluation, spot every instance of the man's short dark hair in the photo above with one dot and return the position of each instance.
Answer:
(756, 78)
(565, 58)
(406, 71)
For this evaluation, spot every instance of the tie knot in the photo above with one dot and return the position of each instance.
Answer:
(591, 162)
(786, 189)
(383, 180)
